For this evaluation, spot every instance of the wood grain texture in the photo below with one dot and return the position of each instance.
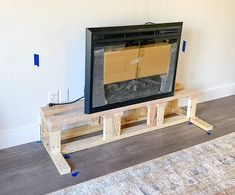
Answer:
(65, 116)
(28, 169)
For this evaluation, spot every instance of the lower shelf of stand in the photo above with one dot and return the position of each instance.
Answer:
(127, 132)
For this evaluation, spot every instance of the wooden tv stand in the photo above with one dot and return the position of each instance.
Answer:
(112, 124)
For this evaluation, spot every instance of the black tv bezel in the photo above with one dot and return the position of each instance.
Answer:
(90, 43)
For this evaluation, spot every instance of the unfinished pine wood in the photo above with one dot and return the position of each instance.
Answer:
(57, 158)
(66, 117)
(55, 142)
(202, 124)
(160, 114)
(192, 105)
(112, 125)
(132, 115)
(54, 110)
(127, 132)
(152, 114)
(80, 131)
(173, 104)
(43, 129)
(95, 121)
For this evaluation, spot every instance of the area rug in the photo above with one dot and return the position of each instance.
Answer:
(207, 168)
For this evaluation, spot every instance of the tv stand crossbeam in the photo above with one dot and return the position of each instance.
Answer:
(112, 124)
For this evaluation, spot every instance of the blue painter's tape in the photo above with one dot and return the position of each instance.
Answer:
(36, 60)
(184, 46)
(209, 132)
(66, 156)
(39, 141)
(75, 173)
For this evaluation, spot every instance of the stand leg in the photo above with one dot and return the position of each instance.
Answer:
(54, 142)
(43, 130)
(112, 125)
(160, 114)
(95, 121)
(192, 105)
(151, 115)
(53, 147)
(191, 112)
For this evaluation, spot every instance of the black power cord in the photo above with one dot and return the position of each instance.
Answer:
(149, 23)
(59, 104)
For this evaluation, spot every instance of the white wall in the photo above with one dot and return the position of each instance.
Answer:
(56, 30)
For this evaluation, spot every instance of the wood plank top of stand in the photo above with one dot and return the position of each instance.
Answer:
(50, 111)
(68, 114)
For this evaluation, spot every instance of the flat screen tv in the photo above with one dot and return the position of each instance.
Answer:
(130, 64)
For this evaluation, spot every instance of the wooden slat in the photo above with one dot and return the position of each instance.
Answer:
(137, 114)
(112, 125)
(43, 130)
(73, 117)
(202, 124)
(54, 141)
(108, 127)
(49, 111)
(82, 144)
(95, 121)
(135, 117)
(87, 129)
(127, 132)
(160, 114)
(58, 159)
(79, 131)
(151, 115)
(175, 120)
(192, 106)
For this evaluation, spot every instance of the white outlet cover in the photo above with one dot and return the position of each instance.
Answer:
(63, 95)
(53, 96)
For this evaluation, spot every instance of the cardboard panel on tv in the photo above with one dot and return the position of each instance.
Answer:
(154, 60)
(134, 62)
(120, 65)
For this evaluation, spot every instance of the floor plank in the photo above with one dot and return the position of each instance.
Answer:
(27, 169)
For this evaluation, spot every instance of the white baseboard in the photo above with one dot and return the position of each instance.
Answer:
(217, 92)
(213, 93)
(23, 135)
(18, 136)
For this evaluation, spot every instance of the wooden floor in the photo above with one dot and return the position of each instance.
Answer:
(27, 169)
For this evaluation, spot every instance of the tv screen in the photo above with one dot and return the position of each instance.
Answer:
(130, 64)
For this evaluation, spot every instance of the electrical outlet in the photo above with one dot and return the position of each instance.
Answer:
(63, 95)
(53, 96)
